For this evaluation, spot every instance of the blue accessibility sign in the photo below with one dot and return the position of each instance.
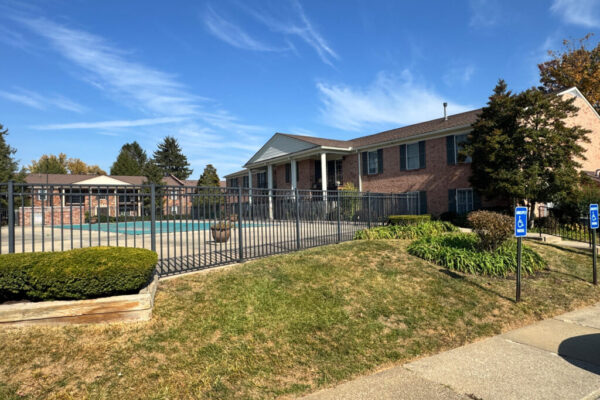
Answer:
(594, 216)
(521, 221)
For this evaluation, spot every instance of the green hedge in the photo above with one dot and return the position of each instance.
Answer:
(405, 231)
(75, 274)
(408, 219)
(462, 252)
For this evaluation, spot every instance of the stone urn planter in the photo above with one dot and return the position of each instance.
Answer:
(221, 231)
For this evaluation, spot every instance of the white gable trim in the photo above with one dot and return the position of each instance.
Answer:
(103, 180)
(575, 92)
(286, 144)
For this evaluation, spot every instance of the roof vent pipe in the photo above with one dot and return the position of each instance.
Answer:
(445, 111)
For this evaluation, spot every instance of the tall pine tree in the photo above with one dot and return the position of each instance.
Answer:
(131, 160)
(171, 160)
(522, 149)
(8, 165)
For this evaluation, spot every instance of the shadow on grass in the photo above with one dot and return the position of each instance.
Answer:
(463, 278)
(582, 252)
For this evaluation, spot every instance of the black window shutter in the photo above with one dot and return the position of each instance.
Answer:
(380, 161)
(476, 200)
(402, 157)
(288, 171)
(422, 154)
(317, 170)
(423, 202)
(452, 200)
(365, 167)
(450, 151)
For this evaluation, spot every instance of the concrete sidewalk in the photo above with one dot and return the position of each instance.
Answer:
(558, 358)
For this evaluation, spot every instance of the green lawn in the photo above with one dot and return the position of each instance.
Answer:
(285, 326)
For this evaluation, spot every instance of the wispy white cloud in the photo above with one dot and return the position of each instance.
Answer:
(110, 124)
(389, 100)
(484, 13)
(458, 75)
(298, 25)
(233, 34)
(578, 12)
(288, 19)
(36, 100)
(152, 90)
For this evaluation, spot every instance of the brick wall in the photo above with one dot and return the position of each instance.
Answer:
(588, 119)
(25, 215)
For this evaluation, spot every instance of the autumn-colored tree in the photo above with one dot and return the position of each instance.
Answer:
(77, 167)
(49, 164)
(52, 164)
(576, 65)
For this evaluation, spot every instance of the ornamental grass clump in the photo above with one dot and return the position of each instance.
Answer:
(405, 231)
(492, 228)
(463, 252)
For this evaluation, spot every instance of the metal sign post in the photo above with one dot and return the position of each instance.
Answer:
(520, 232)
(594, 226)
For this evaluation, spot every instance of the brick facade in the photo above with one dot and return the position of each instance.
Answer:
(438, 178)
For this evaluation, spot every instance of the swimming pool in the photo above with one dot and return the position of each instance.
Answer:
(143, 227)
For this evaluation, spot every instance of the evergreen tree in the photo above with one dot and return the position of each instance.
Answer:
(209, 202)
(153, 174)
(209, 177)
(522, 149)
(8, 165)
(171, 160)
(131, 160)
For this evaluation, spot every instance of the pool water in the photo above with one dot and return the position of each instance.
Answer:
(143, 227)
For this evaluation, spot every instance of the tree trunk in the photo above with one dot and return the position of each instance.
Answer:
(531, 214)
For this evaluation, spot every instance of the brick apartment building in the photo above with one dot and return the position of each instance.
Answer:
(421, 159)
(54, 201)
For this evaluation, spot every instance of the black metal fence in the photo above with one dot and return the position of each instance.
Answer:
(578, 231)
(190, 228)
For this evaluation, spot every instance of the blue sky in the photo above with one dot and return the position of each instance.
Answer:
(84, 77)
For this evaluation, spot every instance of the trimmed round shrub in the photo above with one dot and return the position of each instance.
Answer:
(405, 231)
(462, 252)
(75, 274)
(492, 228)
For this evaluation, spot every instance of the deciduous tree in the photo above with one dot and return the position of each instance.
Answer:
(575, 65)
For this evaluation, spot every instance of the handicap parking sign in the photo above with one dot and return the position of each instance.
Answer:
(521, 221)
(594, 216)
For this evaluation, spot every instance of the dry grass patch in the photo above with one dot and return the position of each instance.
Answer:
(286, 325)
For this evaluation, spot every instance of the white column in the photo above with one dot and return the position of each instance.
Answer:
(358, 155)
(294, 174)
(324, 175)
(250, 186)
(270, 186)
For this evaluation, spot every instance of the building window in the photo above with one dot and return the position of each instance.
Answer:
(464, 201)
(75, 196)
(261, 180)
(459, 143)
(372, 162)
(288, 173)
(234, 182)
(412, 156)
(41, 194)
(245, 181)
